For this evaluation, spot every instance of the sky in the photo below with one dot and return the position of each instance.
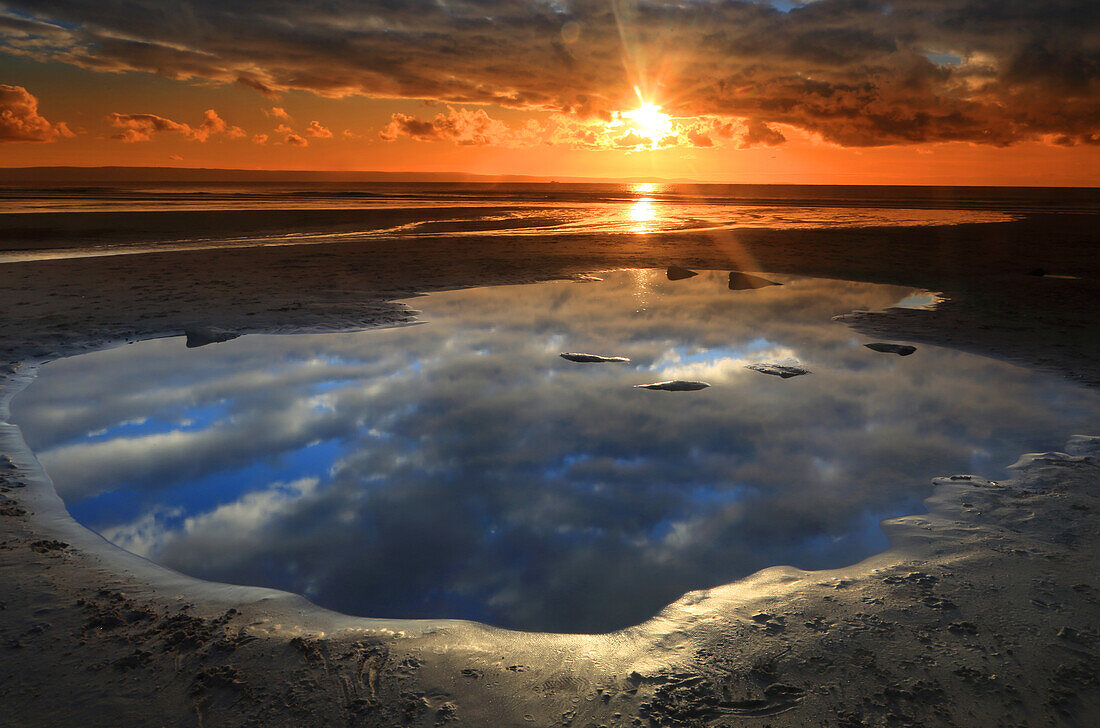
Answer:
(832, 91)
(470, 471)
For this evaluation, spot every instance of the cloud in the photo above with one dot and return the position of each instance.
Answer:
(20, 120)
(253, 83)
(213, 125)
(700, 139)
(854, 73)
(759, 133)
(462, 126)
(143, 127)
(632, 139)
(318, 131)
(474, 127)
(291, 137)
(288, 134)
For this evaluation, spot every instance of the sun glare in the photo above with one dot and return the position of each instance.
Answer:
(649, 121)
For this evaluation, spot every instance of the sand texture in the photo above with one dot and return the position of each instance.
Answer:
(984, 612)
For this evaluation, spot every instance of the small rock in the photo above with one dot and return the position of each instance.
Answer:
(786, 371)
(899, 349)
(676, 385)
(203, 335)
(676, 273)
(594, 358)
(744, 281)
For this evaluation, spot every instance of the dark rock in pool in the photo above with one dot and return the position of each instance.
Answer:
(744, 281)
(899, 349)
(676, 273)
(786, 371)
(676, 385)
(594, 358)
(203, 335)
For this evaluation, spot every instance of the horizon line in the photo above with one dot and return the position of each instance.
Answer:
(115, 173)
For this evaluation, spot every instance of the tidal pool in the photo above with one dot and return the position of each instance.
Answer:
(461, 469)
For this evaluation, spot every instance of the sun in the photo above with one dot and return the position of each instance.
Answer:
(649, 121)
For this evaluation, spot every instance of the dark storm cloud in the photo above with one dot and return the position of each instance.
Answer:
(859, 72)
(760, 133)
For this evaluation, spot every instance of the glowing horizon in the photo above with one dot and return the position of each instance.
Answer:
(752, 92)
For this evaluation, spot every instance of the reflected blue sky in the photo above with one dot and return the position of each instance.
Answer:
(461, 468)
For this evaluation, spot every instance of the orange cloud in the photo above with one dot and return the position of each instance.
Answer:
(460, 126)
(317, 131)
(213, 124)
(142, 127)
(20, 120)
(290, 136)
(632, 139)
(618, 131)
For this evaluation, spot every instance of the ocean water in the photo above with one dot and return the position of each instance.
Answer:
(246, 195)
(460, 468)
(49, 221)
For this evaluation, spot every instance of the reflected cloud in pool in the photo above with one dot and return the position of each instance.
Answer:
(462, 469)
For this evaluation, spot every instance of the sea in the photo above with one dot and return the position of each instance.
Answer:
(49, 220)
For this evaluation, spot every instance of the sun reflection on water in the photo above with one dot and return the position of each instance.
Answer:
(643, 212)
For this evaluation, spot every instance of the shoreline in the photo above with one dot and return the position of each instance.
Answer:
(51, 309)
(974, 616)
(935, 614)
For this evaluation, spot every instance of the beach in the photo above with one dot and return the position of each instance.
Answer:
(982, 612)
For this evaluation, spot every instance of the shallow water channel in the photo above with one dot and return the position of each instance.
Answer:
(460, 468)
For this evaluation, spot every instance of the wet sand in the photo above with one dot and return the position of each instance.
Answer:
(994, 307)
(984, 612)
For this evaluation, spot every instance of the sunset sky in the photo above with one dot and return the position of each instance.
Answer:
(833, 91)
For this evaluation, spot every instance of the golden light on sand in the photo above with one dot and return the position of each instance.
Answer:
(649, 121)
